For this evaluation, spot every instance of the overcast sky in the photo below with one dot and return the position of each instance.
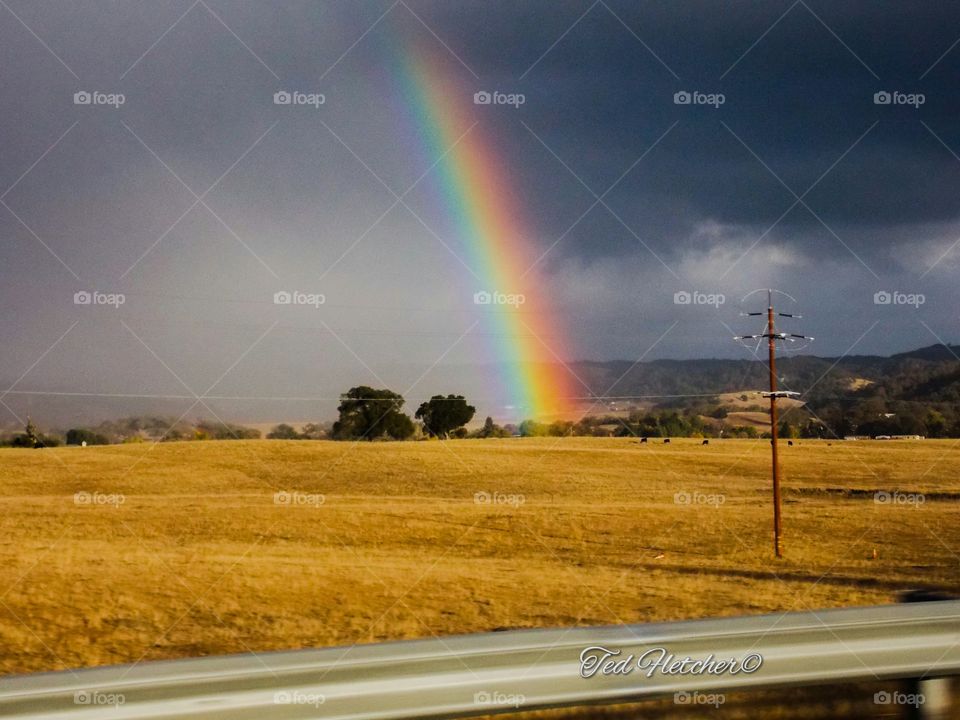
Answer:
(198, 197)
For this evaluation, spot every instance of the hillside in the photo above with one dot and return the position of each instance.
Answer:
(852, 394)
(917, 392)
(814, 377)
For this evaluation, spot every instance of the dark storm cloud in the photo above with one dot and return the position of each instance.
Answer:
(799, 98)
(798, 81)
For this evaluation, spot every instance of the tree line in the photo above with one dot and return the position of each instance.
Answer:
(915, 401)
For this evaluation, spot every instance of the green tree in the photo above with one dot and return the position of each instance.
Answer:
(313, 431)
(491, 430)
(32, 435)
(813, 429)
(936, 424)
(367, 413)
(531, 428)
(442, 415)
(788, 431)
(33, 438)
(283, 432)
(398, 426)
(209, 430)
(79, 436)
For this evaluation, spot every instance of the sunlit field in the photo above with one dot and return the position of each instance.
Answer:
(135, 552)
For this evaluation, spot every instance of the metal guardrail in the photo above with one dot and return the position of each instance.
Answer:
(502, 671)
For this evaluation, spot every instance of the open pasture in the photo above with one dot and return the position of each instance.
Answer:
(120, 553)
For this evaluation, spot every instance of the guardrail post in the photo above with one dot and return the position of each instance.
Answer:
(936, 694)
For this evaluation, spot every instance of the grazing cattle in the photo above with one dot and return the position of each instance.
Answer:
(790, 443)
(643, 440)
(666, 440)
(705, 442)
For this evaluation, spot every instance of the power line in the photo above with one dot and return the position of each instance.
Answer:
(316, 398)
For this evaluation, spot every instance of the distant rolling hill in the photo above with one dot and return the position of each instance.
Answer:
(814, 377)
(913, 381)
(916, 392)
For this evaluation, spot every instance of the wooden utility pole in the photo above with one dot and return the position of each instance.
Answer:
(772, 344)
(772, 336)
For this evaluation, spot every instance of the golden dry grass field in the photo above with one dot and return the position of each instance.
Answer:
(200, 558)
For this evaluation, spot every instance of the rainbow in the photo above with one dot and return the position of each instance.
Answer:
(475, 190)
